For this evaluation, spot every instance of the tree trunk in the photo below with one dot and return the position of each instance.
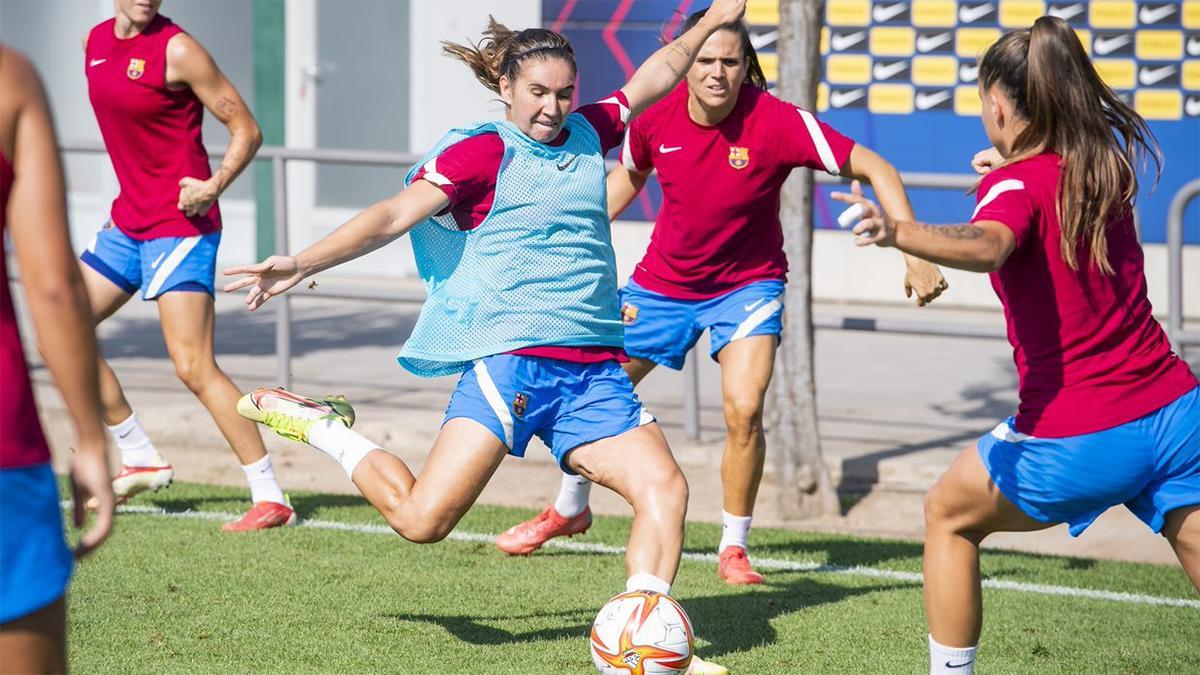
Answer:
(807, 489)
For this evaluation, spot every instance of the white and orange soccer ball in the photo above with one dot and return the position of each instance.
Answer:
(642, 632)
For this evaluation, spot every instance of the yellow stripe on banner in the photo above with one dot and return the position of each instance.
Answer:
(1085, 37)
(934, 13)
(1112, 14)
(848, 12)
(822, 97)
(824, 40)
(970, 43)
(890, 99)
(1191, 14)
(935, 71)
(1117, 73)
(1159, 45)
(1159, 104)
(770, 66)
(966, 101)
(762, 12)
(848, 69)
(1191, 75)
(893, 41)
(1020, 13)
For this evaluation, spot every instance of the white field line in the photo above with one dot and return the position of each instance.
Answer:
(762, 563)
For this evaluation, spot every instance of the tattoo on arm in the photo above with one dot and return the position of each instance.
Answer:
(677, 47)
(967, 231)
(225, 107)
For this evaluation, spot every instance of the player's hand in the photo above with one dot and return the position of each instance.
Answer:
(90, 480)
(986, 160)
(722, 12)
(924, 279)
(876, 226)
(266, 279)
(197, 196)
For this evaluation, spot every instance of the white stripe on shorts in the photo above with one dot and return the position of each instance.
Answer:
(168, 266)
(646, 418)
(818, 138)
(760, 315)
(488, 386)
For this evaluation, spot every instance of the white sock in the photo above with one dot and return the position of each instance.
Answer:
(135, 446)
(735, 530)
(644, 581)
(572, 496)
(945, 660)
(346, 446)
(263, 486)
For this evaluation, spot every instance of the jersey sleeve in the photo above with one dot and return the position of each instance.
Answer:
(608, 117)
(1004, 199)
(809, 142)
(467, 170)
(635, 152)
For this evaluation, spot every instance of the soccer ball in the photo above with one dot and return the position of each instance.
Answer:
(642, 632)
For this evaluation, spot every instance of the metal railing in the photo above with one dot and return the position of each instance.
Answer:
(280, 156)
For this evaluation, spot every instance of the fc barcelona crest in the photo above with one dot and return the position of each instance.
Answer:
(629, 314)
(739, 158)
(137, 68)
(520, 403)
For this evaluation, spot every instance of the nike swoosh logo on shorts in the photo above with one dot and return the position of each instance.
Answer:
(665, 150)
(969, 14)
(750, 307)
(154, 265)
(96, 62)
(1157, 14)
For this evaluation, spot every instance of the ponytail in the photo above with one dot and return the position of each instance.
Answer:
(754, 71)
(1055, 88)
(501, 51)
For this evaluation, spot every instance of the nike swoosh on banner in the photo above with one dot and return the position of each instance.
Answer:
(970, 14)
(928, 42)
(1157, 14)
(1152, 76)
(665, 150)
(926, 101)
(883, 72)
(881, 13)
(1104, 46)
(1193, 46)
(841, 98)
(96, 62)
(840, 42)
(1192, 106)
(760, 41)
(968, 73)
(1066, 12)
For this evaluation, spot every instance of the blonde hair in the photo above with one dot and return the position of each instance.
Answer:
(501, 51)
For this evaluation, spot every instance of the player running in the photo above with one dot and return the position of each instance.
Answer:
(35, 564)
(722, 147)
(149, 83)
(511, 236)
(1108, 414)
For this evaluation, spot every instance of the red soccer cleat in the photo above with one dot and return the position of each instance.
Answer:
(527, 537)
(262, 516)
(734, 567)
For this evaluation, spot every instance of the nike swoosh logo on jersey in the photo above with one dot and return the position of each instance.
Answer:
(926, 101)
(564, 167)
(882, 13)
(842, 98)
(928, 42)
(839, 42)
(1104, 45)
(884, 72)
(1192, 107)
(1151, 76)
(154, 265)
(1193, 46)
(972, 14)
(96, 62)
(968, 73)
(750, 307)
(1155, 15)
(666, 151)
(1066, 12)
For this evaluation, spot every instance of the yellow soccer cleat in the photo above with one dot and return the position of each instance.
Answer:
(291, 415)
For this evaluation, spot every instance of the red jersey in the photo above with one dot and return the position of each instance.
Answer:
(718, 228)
(1089, 354)
(467, 172)
(21, 440)
(152, 132)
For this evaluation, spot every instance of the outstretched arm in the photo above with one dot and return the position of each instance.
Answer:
(378, 225)
(921, 276)
(667, 66)
(190, 65)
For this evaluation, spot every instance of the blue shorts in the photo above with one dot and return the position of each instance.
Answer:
(156, 266)
(663, 329)
(563, 403)
(1151, 465)
(35, 563)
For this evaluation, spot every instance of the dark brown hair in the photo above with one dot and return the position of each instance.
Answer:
(501, 51)
(754, 71)
(1069, 109)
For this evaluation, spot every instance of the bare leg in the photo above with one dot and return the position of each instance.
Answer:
(36, 643)
(746, 367)
(106, 298)
(638, 369)
(188, 321)
(1182, 529)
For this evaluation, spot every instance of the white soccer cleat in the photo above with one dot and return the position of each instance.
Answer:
(134, 480)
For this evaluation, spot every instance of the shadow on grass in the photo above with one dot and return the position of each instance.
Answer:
(730, 623)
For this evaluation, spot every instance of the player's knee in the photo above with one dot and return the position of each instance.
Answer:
(421, 533)
(938, 513)
(412, 524)
(193, 370)
(743, 413)
(669, 490)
